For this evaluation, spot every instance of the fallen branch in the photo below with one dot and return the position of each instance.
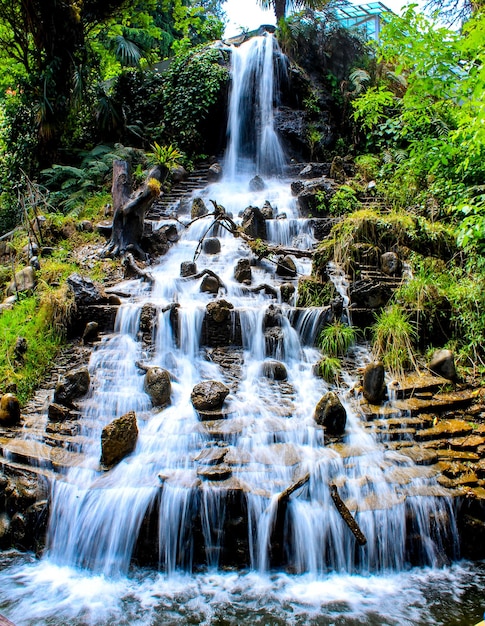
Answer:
(268, 290)
(347, 516)
(284, 495)
(206, 272)
(129, 262)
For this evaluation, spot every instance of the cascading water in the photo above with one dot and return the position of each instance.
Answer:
(253, 144)
(268, 441)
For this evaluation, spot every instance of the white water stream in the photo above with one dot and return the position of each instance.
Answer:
(271, 440)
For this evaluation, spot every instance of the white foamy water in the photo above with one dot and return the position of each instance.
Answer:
(271, 440)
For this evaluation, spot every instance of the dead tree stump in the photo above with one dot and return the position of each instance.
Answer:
(129, 210)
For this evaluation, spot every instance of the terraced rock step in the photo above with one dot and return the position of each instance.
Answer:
(164, 207)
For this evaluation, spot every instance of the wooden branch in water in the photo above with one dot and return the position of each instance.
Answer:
(206, 272)
(268, 290)
(347, 516)
(129, 261)
(284, 495)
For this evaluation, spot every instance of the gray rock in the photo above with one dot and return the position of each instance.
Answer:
(275, 370)
(331, 414)
(90, 332)
(214, 173)
(209, 284)
(158, 386)
(286, 267)
(287, 291)
(209, 395)
(267, 210)
(242, 271)
(188, 268)
(390, 263)
(198, 208)
(73, 385)
(443, 364)
(211, 245)
(118, 439)
(85, 291)
(254, 223)
(257, 184)
(373, 383)
(24, 281)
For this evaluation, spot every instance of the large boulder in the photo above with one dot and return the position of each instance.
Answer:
(158, 386)
(24, 281)
(275, 370)
(331, 414)
(219, 310)
(9, 410)
(85, 291)
(286, 267)
(211, 245)
(373, 382)
(242, 271)
(254, 223)
(209, 395)
(198, 209)
(73, 385)
(118, 439)
(443, 364)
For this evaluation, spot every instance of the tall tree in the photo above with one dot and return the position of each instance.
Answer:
(281, 7)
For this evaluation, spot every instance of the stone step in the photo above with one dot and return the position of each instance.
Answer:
(37, 454)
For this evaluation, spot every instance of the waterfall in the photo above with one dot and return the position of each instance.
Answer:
(253, 143)
(164, 498)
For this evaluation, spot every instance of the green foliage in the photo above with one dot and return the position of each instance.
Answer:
(27, 320)
(313, 292)
(336, 339)
(373, 107)
(344, 200)
(367, 166)
(70, 187)
(166, 156)
(329, 368)
(191, 86)
(393, 337)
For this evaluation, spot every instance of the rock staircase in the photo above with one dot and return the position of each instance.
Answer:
(180, 193)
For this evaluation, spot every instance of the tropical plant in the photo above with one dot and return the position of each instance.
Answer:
(336, 339)
(281, 7)
(329, 368)
(168, 157)
(393, 337)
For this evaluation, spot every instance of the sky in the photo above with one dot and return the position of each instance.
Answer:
(248, 14)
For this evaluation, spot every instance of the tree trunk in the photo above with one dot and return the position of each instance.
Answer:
(279, 9)
(129, 210)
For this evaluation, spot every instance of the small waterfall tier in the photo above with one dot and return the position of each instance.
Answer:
(253, 143)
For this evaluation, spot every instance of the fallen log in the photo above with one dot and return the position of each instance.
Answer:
(347, 516)
(284, 495)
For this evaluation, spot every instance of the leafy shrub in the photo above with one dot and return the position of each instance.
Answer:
(367, 166)
(344, 200)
